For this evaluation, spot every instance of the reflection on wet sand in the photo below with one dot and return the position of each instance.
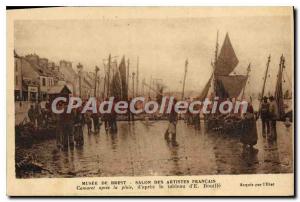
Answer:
(138, 150)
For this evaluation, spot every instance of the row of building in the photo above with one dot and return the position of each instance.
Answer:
(36, 77)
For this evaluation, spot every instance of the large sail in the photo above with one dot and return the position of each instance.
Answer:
(115, 87)
(230, 86)
(227, 59)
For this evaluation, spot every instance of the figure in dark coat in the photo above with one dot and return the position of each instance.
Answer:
(265, 116)
(78, 127)
(95, 118)
(172, 124)
(249, 133)
(31, 114)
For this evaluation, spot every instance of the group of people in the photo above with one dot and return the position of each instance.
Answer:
(192, 119)
(246, 124)
(268, 113)
(69, 126)
(37, 115)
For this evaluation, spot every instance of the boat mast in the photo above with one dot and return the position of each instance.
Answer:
(96, 80)
(278, 90)
(150, 86)
(108, 75)
(265, 78)
(184, 78)
(104, 84)
(215, 63)
(127, 78)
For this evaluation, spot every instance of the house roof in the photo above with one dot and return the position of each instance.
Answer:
(42, 71)
(59, 89)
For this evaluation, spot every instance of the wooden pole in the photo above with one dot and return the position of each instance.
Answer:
(99, 86)
(133, 74)
(215, 63)
(96, 72)
(104, 85)
(143, 86)
(184, 78)
(127, 78)
(79, 67)
(150, 86)
(265, 78)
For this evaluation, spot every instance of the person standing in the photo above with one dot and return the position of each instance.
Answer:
(113, 120)
(249, 135)
(273, 117)
(129, 113)
(78, 127)
(59, 128)
(67, 128)
(264, 115)
(196, 119)
(31, 114)
(88, 121)
(172, 124)
(95, 118)
(38, 114)
(105, 117)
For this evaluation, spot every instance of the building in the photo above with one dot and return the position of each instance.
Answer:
(69, 75)
(87, 84)
(18, 77)
(46, 76)
(33, 78)
(26, 80)
(59, 91)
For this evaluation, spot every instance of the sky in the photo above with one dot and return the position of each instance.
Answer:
(163, 45)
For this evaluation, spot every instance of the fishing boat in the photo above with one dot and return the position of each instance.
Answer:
(225, 84)
(27, 133)
(284, 102)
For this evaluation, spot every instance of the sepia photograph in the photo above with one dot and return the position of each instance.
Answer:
(151, 92)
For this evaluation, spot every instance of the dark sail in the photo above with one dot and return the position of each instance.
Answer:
(122, 70)
(227, 59)
(115, 87)
(230, 86)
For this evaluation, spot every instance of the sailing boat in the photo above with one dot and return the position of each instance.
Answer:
(225, 84)
(222, 83)
(123, 77)
(118, 84)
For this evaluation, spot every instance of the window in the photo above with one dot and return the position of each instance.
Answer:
(17, 82)
(44, 82)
